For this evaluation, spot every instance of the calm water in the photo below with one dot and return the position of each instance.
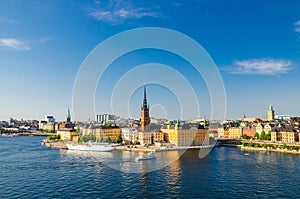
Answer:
(30, 170)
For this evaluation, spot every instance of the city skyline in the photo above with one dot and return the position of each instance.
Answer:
(255, 46)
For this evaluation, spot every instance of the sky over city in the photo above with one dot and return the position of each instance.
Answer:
(254, 44)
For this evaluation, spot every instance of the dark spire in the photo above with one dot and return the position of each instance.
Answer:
(145, 105)
(69, 116)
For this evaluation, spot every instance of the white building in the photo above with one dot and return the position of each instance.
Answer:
(105, 118)
(130, 135)
(50, 119)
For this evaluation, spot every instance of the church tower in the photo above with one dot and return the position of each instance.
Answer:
(145, 119)
(69, 116)
(271, 113)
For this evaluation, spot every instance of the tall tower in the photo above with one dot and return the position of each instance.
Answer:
(145, 119)
(271, 113)
(69, 116)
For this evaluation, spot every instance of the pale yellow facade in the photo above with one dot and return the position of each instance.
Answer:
(288, 137)
(68, 135)
(284, 136)
(235, 132)
(145, 138)
(107, 132)
(186, 137)
(158, 136)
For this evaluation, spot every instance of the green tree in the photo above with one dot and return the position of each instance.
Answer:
(49, 130)
(108, 139)
(119, 139)
(244, 144)
(1, 131)
(284, 146)
(268, 136)
(262, 135)
(245, 136)
(77, 130)
(250, 144)
(294, 148)
(256, 135)
(54, 137)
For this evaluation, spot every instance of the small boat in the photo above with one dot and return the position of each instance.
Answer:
(102, 147)
(246, 154)
(150, 156)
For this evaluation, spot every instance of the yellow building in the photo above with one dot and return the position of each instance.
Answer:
(68, 134)
(286, 136)
(234, 132)
(186, 137)
(158, 136)
(275, 136)
(145, 138)
(110, 132)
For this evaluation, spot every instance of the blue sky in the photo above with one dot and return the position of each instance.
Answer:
(255, 45)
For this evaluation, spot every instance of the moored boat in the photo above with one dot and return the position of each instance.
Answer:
(148, 157)
(99, 147)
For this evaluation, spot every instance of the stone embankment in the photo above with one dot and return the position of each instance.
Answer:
(247, 148)
(55, 144)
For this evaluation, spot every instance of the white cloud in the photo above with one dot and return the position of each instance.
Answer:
(177, 4)
(267, 66)
(118, 11)
(14, 44)
(297, 26)
(7, 20)
(45, 39)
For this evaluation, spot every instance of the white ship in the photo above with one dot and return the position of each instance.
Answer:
(148, 157)
(91, 147)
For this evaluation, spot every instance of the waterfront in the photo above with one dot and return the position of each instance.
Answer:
(29, 169)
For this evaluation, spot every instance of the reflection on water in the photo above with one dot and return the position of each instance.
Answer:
(124, 161)
(29, 170)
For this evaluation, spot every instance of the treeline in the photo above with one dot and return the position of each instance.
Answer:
(273, 146)
(262, 136)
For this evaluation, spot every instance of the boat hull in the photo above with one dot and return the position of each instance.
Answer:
(93, 147)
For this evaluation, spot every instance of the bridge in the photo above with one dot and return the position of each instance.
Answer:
(229, 142)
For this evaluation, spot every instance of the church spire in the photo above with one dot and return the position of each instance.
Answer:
(145, 105)
(69, 116)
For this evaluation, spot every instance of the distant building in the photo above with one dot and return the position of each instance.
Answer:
(68, 124)
(130, 135)
(260, 128)
(48, 126)
(103, 118)
(158, 136)
(271, 113)
(186, 135)
(284, 136)
(269, 127)
(249, 131)
(68, 134)
(50, 119)
(235, 132)
(105, 132)
(145, 138)
(282, 117)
